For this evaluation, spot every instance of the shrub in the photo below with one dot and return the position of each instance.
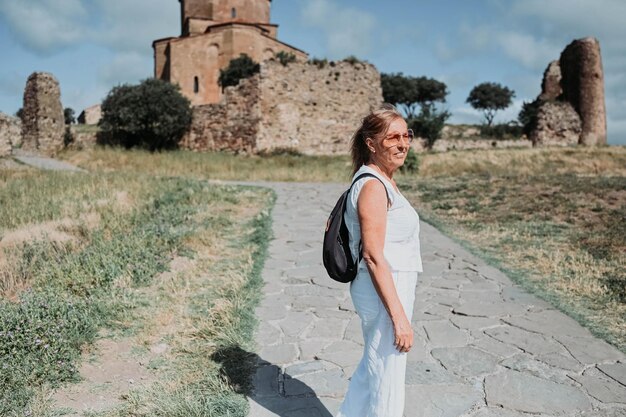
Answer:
(411, 163)
(528, 116)
(153, 115)
(352, 60)
(237, 69)
(429, 123)
(318, 62)
(285, 58)
(511, 130)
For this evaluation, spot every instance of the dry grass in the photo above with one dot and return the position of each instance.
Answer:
(554, 218)
(216, 165)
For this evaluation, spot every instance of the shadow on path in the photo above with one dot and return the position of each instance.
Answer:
(276, 392)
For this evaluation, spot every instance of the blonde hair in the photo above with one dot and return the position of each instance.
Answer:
(375, 126)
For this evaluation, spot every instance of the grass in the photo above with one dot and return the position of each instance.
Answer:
(555, 220)
(217, 165)
(84, 273)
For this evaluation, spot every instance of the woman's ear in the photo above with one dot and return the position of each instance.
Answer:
(369, 142)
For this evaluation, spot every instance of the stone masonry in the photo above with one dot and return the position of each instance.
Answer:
(301, 106)
(10, 133)
(43, 124)
(583, 86)
(571, 106)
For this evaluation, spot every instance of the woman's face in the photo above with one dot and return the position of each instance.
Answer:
(390, 151)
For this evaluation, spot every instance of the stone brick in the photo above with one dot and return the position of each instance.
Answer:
(551, 84)
(557, 124)
(583, 86)
(43, 123)
(10, 133)
(299, 106)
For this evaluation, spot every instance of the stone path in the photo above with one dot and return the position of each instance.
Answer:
(484, 348)
(42, 162)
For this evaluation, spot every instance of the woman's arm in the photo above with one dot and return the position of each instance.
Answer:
(372, 211)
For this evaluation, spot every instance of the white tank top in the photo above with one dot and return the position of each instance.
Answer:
(402, 245)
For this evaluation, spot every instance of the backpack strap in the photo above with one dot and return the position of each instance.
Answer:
(367, 174)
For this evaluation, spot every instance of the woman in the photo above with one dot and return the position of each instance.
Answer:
(383, 221)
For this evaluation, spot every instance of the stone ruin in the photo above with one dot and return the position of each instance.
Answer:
(301, 106)
(91, 115)
(571, 108)
(10, 134)
(43, 123)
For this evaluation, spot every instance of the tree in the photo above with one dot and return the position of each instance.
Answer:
(19, 113)
(68, 114)
(238, 69)
(489, 98)
(528, 116)
(411, 93)
(153, 114)
(429, 123)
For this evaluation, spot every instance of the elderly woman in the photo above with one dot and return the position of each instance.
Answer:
(383, 221)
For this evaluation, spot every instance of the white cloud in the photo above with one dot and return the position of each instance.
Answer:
(347, 31)
(527, 50)
(126, 67)
(45, 26)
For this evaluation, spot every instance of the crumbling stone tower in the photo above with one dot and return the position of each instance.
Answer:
(43, 124)
(212, 33)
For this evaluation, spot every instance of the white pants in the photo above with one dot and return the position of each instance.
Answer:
(377, 386)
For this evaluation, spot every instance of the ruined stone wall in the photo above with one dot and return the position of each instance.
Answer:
(315, 110)
(583, 86)
(10, 134)
(299, 106)
(43, 123)
(232, 124)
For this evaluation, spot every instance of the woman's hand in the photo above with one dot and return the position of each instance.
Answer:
(403, 332)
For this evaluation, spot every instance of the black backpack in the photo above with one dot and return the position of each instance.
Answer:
(336, 252)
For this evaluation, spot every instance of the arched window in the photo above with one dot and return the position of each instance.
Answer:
(233, 13)
(196, 85)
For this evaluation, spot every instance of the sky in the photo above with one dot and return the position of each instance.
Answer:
(94, 45)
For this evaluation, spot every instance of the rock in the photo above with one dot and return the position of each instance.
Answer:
(517, 391)
(43, 122)
(583, 86)
(617, 371)
(448, 400)
(10, 134)
(466, 361)
(600, 387)
(425, 373)
(557, 124)
(551, 84)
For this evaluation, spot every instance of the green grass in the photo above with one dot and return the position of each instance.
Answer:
(67, 290)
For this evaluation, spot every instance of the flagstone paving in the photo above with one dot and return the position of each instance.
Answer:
(484, 347)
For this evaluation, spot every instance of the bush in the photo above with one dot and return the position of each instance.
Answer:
(511, 130)
(528, 116)
(352, 60)
(411, 163)
(285, 58)
(318, 62)
(68, 115)
(429, 123)
(237, 69)
(153, 115)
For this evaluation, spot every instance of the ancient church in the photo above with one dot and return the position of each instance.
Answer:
(212, 33)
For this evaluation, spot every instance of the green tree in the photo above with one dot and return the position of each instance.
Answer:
(19, 113)
(68, 114)
(412, 93)
(489, 98)
(153, 114)
(238, 69)
(429, 123)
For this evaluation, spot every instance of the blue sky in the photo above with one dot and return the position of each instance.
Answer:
(93, 45)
